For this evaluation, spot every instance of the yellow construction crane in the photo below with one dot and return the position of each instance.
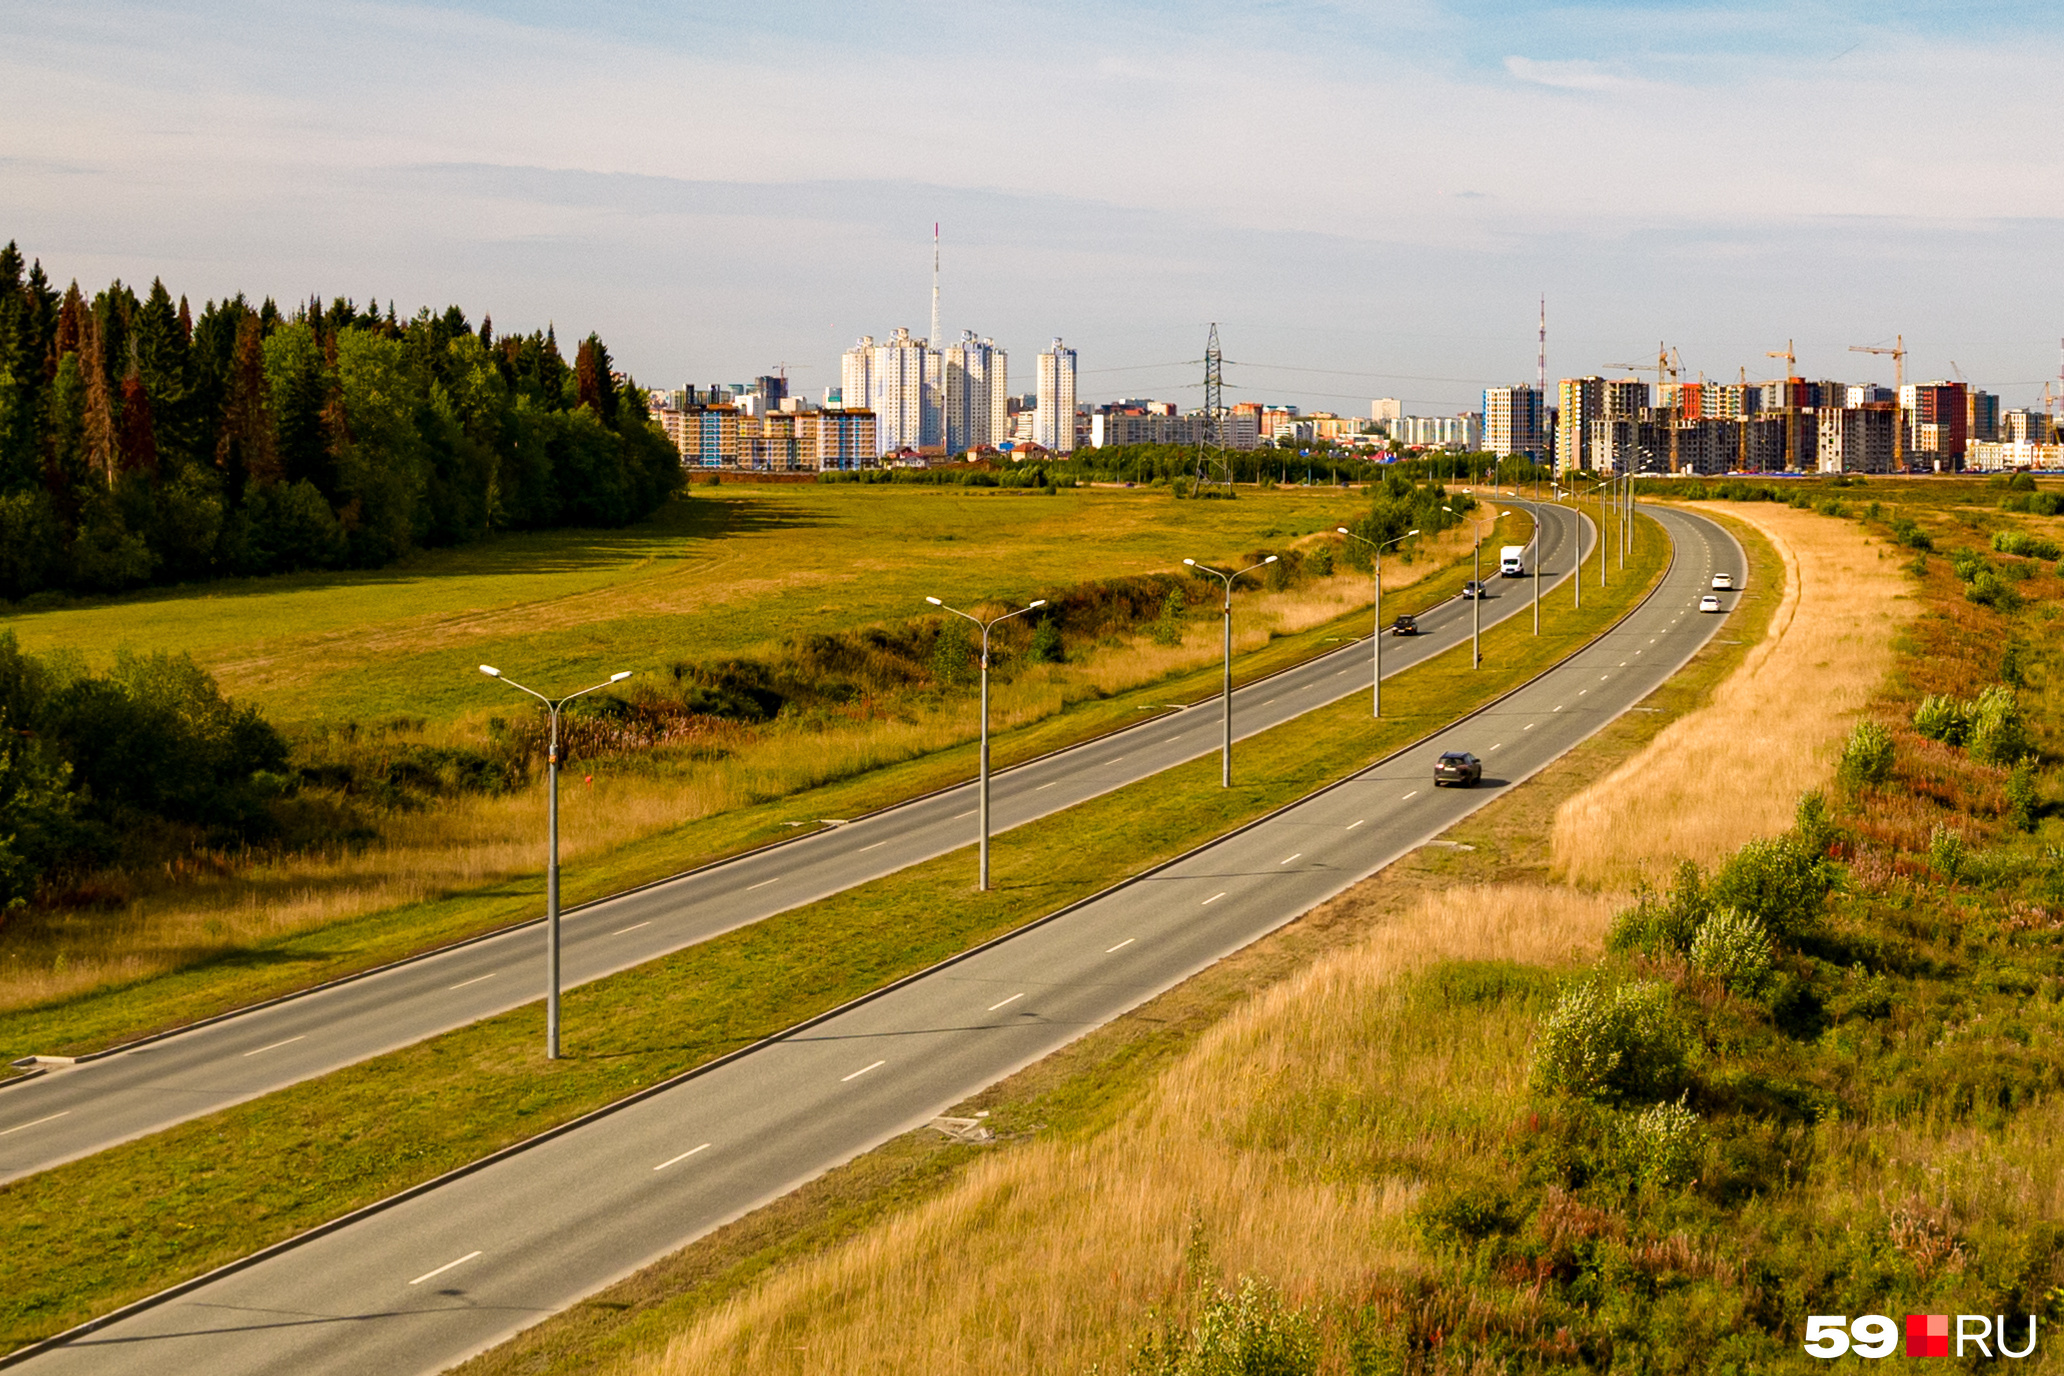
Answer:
(1898, 352)
(1791, 399)
(1668, 365)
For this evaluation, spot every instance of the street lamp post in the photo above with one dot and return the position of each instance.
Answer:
(1376, 552)
(1225, 754)
(1476, 602)
(983, 805)
(552, 854)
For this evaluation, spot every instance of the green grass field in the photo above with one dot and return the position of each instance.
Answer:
(720, 572)
(89, 1235)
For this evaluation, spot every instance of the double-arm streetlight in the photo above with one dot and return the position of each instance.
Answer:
(1376, 549)
(983, 806)
(1476, 601)
(1225, 754)
(552, 707)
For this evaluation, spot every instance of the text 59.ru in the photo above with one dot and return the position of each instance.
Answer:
(1927, 1335)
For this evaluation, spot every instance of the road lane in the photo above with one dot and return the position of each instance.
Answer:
(545, 1226)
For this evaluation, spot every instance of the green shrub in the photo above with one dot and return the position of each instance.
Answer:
(2020, 542)
(1867, 757)
(1942, 718)
(1248, 1333)
(1612, 1044)
(1660, 1145)
(1907, 533)
(1781, 882)
(1946, 853)
(1735, 951)
(2022, 799)
(1046, 644)
(1998, 731)
(1168, 630)
(1660, 924)
(1988, 589)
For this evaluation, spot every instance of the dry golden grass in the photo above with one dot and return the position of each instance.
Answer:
(1734, 770)
(1045, 1258)
(472, 841)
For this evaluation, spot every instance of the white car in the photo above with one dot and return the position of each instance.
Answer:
(1709, 603)
(1723, 582)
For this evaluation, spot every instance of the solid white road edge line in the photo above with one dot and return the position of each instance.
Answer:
(442, 1269)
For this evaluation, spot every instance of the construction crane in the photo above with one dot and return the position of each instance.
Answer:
(1792, 381)
(1898, 352)
(1668, 366)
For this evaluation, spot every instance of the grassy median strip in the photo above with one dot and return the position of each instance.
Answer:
(91, 1235)
(110, 1015)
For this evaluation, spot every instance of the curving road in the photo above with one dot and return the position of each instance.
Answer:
(149, 1086)
(449, 1270)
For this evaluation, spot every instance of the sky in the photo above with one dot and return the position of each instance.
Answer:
(1369, 199)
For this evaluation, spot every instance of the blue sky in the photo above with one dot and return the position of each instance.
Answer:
(1368, 198)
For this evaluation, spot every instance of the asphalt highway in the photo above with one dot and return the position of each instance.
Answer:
(438, 1276)
(76, 1111)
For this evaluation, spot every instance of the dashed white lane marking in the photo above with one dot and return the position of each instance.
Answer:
(958, 815)
(277, 1045)
(1044, 787)
(632, 928)
(1500, 743)
(1013, 998)
(463, 983)
(1119, 760)
(446, 1267)
(37, 1124)
(1270, 703)
(876, 846)
(764, 883)
(1211, 900)
(1528, 727)
(682, 1157)
(1352, 825)
(1413, 794)
(1580, 693)
(1294, 857)
(1121, 945)
(862, 1071)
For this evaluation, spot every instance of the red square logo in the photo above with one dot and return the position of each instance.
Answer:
(1927, 1335)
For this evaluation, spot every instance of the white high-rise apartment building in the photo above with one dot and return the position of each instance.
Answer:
(1054, 425)
(1512, 421)
(900, 381)
(977, 394)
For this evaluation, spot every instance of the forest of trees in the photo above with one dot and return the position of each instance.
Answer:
(140, 443)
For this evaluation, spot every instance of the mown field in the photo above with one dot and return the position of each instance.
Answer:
(1504, 1122)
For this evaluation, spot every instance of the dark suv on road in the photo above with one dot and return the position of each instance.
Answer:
(1457, 767)
(1404, 625)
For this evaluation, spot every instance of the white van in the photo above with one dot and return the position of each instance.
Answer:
(1512, 561)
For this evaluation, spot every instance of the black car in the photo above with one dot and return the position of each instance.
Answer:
(1457, 767)
(1472, 589)
(1404, 625)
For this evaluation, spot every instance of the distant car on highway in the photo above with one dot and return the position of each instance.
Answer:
(1723, 582)
(1709, 603)
(1404, 625)
(1457, 767)
(1472, 589)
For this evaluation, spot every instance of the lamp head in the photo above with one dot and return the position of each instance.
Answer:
(490, 671)
(1343, 530)
(1040, 603)
(1410, 533)
(619, 678)
(1270, 560)
(1191, 562)
(935, 601)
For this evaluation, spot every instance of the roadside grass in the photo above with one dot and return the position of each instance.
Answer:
(90, 1235)
(1734, 770)
(1077, 1097)
(243, 927)
(76, 981)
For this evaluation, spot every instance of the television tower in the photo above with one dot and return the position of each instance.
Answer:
(1541, 380)
(934, 341)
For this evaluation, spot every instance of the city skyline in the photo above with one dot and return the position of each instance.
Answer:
(717, 201)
